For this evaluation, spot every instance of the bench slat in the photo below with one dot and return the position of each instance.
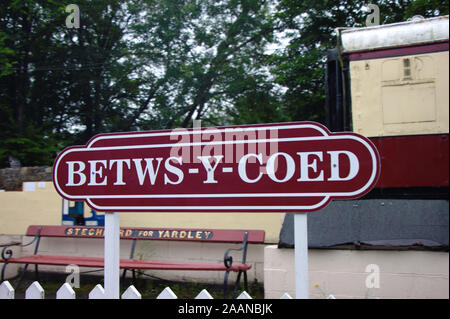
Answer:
(181, 234)
(98, 262)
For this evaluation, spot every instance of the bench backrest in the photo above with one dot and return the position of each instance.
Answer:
(182, 234)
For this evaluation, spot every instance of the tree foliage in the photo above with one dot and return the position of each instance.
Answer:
(311, 25)
(153, 64)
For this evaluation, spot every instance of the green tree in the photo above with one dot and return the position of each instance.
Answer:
(24, 30)
(200, 54)
(131, 65)
(153, 64)
(98, 79)
(310, 26)
(61, 86)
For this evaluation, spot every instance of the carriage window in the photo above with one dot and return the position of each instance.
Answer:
(406, 68)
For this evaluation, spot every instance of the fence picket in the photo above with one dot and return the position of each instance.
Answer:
(244, 295)
(167, 293)
(97, 293)
(65, 292)
(6, 290)
(204, 294)
(131, 293)
(35, 291)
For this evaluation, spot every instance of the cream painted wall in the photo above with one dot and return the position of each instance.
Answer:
(385, 102)
(23, 208)
(43, 206)
(343, 273)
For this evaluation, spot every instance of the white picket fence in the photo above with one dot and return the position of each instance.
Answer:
(35, 291)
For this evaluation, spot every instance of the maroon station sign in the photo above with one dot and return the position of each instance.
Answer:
(284, 167)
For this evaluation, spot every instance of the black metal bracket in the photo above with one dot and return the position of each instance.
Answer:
(7, 253)
(228, 262)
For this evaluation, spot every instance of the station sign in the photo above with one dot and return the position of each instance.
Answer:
(283, 167)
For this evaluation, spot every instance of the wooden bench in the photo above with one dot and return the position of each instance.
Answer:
(243, 237)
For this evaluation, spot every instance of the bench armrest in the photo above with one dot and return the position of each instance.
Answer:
(7, 251)
(228, 259)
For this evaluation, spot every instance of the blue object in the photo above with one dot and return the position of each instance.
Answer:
(75, 216)
(95, 219)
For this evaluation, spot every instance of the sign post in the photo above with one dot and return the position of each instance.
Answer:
(112, 255)
(301, 256)
(284, 167)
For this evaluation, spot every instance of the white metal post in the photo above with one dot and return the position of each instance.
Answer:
(301, 255)
(112, 255)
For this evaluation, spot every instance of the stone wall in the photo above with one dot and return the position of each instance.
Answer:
(11, 179)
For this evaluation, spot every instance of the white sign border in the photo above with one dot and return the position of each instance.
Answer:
(222, 208)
